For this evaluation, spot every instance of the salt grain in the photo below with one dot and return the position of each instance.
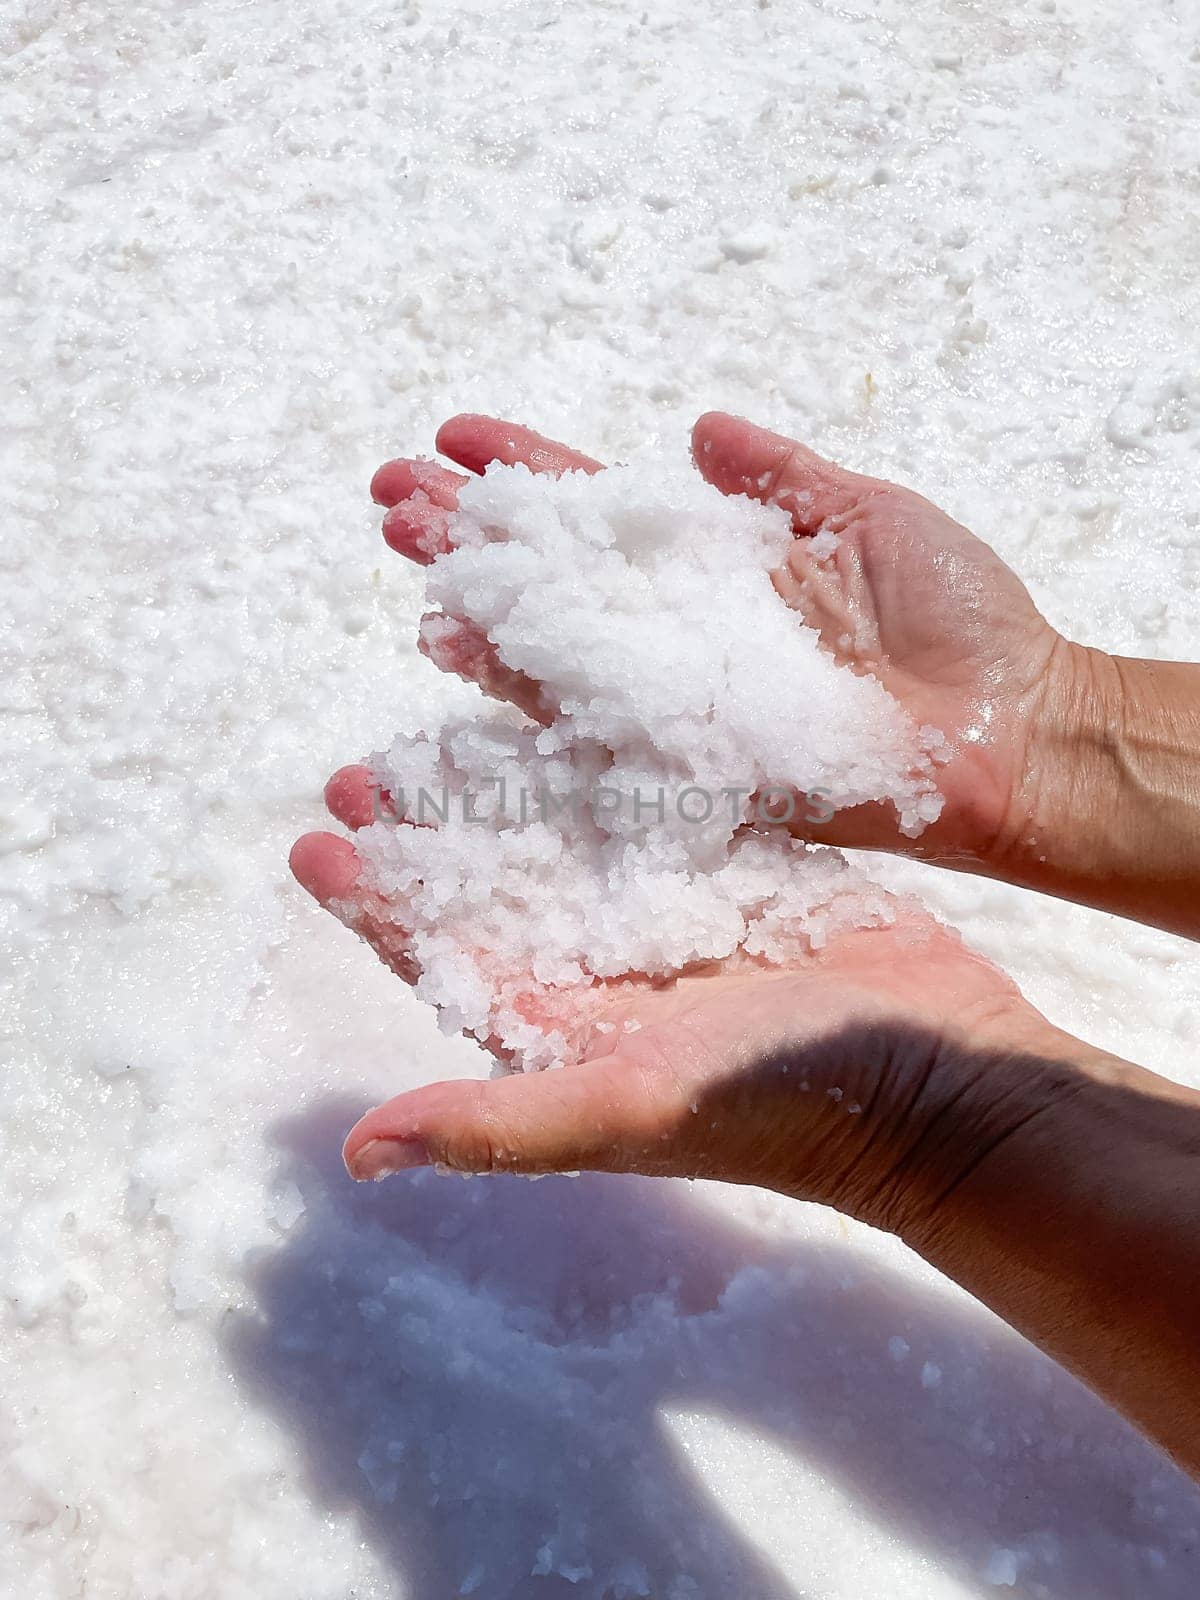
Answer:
(615, 839)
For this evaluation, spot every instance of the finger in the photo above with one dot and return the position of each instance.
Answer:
(601, 1115)
(421, 497)
(875, 825)
(419, 532)
(475, 442)
(738, 457)
(355, 799)
(409, 475)
(326, 865)
(330, 868)
(462, 648)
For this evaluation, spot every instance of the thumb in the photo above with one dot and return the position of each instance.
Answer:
(602, 1115)
(738, 457)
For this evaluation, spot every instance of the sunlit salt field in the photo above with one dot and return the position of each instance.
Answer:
(249, 252)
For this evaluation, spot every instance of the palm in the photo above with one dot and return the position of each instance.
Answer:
(919, 601)
(951, 632)
(813, 1080)
(723, 1052)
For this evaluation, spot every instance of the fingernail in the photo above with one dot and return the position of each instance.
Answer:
(379, 1158)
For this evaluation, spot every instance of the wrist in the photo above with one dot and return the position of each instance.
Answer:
(1105, 808)
(939, 1104)
(1062, 782)
(1025, 1129)
(999, 1111)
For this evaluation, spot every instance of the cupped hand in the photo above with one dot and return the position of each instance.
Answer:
(869, 1075)
(907, 594)
(917, 600)
(822, 1079)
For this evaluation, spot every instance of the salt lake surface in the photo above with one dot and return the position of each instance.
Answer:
(249, 252)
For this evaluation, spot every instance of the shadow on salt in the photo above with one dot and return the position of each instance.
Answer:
(477, 1369)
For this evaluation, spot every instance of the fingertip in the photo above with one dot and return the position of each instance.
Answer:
(352, 796)
(392, 482)
(351, 1145)
(416, 475)
(370, 1129)
(475, 442)
(451, 644)
(709, 427)
(402, 1132)
(738, 456)
(419, 531)
(381, 1158)
(465, 439)
(326, 865)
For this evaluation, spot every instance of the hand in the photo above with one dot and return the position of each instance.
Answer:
(895, 1075)
(930, 610)
(869, 1076)
(901, 1079)
(842, 1079)
(910, 596)
(726, 1040)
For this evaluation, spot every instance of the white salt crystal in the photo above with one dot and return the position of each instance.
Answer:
(1001, 1569)
(751, 244)
(287, 1207)
(615, 840)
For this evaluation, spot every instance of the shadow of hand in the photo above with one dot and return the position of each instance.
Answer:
(479, 1369)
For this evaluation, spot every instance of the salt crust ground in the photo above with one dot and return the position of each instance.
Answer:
(254, 251)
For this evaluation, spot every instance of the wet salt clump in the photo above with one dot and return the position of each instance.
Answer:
(548, 863)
